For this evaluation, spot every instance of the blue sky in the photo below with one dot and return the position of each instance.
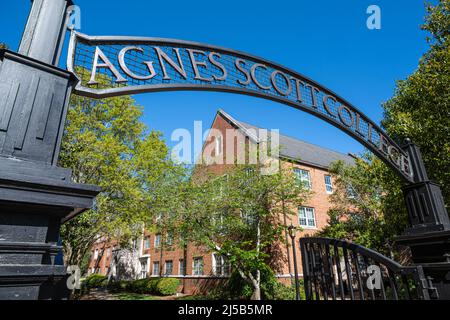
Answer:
(326, 40)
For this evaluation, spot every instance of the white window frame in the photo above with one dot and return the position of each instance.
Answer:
(196, 272)
(351, 194)
(303, 215)
(248, 218)
(157, 243)
(328, 185)
(156, 274)
(304, 176)
(218, 145)
(96, 254)
(219, 261)
(165, 268)
(144, 268)
(147, 243)
(108, 252)
(169, 239)
(181, 267)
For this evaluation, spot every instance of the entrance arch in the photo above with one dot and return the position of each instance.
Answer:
(136, 65)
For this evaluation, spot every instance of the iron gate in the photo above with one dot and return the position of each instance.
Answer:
(340, 270)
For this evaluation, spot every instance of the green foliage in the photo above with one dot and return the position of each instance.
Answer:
(3, 46)
(118, 286)
(106, 144)
(376, 213)
(155, 286)
(283, 292)
(367, 205)
(167, 286)
(135, 296)
(236, 288)
(240, 216)
(420, 107)
(94, 281)
(146, 286)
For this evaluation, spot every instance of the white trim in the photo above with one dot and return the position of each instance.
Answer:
(193, 266)
(330, 185)
(153, 268)
(246, 132)
(179, 267)
(307, 226)
(288, 275)
(154, 241)
(165, 267)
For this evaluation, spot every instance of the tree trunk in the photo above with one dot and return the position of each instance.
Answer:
(257, 282)
(256, 293)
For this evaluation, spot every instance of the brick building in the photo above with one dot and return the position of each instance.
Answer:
(198, 268)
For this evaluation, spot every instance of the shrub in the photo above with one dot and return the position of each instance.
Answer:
(143, 286)
(156, 286)
(167, 286)
(95, 281)
(271, 288)
(118, 286)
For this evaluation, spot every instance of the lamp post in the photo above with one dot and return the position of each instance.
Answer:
(292, 231)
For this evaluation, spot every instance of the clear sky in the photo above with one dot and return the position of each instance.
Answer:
(326, 40)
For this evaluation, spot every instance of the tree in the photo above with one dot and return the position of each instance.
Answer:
(375, 211)
(106, 144)
(420, 108)
(240, 216)
(367, 204)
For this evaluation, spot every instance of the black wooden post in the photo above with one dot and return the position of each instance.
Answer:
(292, 231)
(429, 234)
(35, 194)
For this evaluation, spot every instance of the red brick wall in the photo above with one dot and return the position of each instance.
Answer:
(103, 261)
(192, 284)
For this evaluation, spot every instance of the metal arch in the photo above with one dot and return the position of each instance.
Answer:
(160, 87)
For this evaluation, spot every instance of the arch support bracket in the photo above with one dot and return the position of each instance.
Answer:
(429, 234)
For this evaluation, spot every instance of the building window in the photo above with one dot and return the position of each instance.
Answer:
(198, 266)
(155, 268)
(181, 267)
(306, 217)
(248, 218)
(144, 268)
(157, 241)
(351, 193)
(147, 243)
(220, 265)
(93, 270)
(328, 184)
(303, 177)
(219, 145)
(96, 254)
(169, 240)
(168, 268)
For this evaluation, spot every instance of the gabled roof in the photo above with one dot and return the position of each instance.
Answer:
(293, 149)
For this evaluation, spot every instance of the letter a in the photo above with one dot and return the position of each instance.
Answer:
(374, 21)
(374, 280)
(106, 64)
